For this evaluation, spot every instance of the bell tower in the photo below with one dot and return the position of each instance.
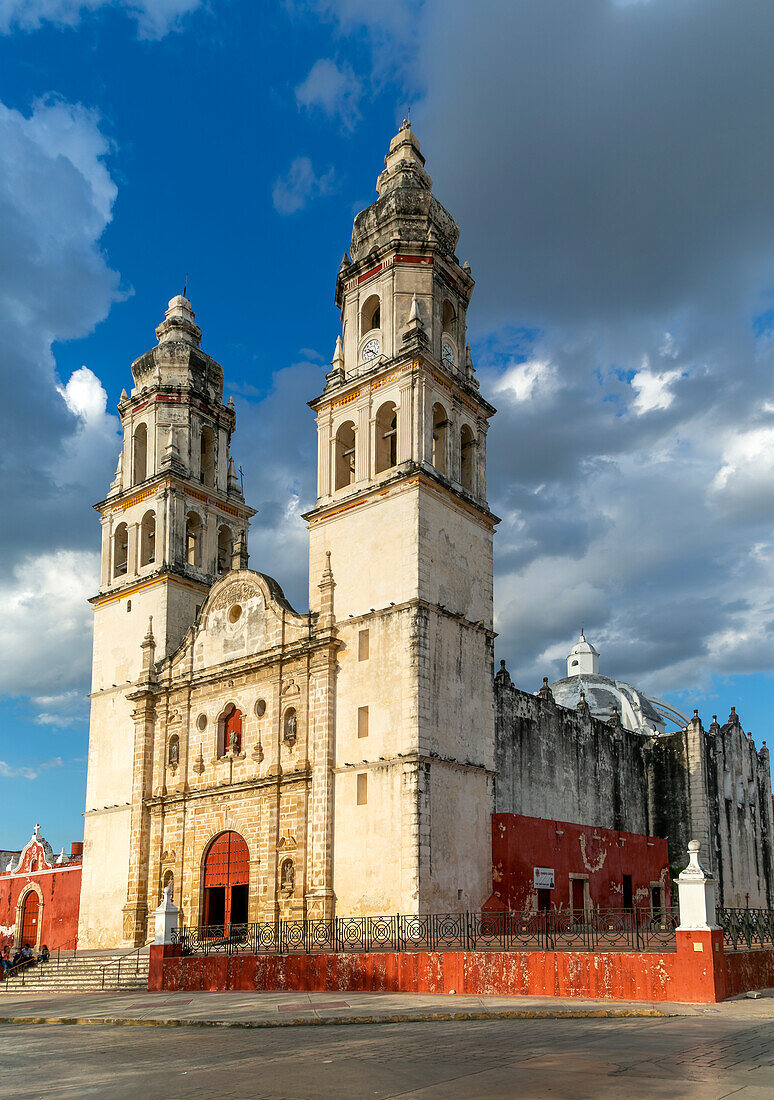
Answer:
(173, 521)
(401, 507)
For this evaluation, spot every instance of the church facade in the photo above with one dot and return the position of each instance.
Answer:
(274, 764)
(269, 764)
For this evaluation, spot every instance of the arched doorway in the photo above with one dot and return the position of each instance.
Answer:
(29, 921)
(226, 881)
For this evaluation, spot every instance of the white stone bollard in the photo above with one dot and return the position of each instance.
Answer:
(166, 918)
(696, 891)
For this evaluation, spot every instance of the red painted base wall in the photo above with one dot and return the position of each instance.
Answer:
(58, 913)
(698, 972)
(600, 857)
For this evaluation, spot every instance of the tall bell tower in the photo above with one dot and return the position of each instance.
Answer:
(401, 506)
(173, 521)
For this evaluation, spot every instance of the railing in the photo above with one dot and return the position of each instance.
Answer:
(22, 969)
(126, 960)
(551, 930)
(746, 928)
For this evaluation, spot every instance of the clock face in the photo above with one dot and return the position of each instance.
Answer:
(447, 354)
(371, 349)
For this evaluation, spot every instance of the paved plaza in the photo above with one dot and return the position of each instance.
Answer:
(700, 1052)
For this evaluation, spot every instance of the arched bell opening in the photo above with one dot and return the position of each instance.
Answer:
(140, 454)
(386, 437)
(345, 454)
(467, 458)
(148, 539)
(440, 438)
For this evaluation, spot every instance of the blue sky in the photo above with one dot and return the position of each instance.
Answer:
(612, 172)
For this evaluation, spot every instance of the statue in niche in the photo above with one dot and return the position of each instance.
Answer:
(174, 752)
(291, 728)
(287, 877)
(233, 740)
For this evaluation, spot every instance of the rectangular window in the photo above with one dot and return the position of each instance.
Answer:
(362, 789)
(363, 644)
(362, 721)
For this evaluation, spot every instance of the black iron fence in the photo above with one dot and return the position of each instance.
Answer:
(550, 930)
(746, 928)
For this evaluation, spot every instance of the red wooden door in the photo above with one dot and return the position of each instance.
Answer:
(30, 921)
(226, 880)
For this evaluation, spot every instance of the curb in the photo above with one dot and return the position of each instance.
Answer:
(316, 1021)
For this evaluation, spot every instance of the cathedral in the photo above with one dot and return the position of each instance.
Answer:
(270, 764)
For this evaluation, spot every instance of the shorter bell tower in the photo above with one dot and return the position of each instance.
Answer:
(173, 521)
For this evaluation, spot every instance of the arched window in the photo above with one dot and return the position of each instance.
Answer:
(467, 457)
(173, 750)
(225, 549)
(345, 454)
(148, 539)
(440, 430)
(193, 539)
(207, 457)
(449, 318)
(140, 453)
(120, 550)
(226, 881)
(386, 437)
(230, 730)
(370, 314)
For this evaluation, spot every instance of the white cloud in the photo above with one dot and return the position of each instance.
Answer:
(654, 389)
(333, 89)
(8, 771)
(56, 199)
(155, 18)
(526, 380)
(68, 708)
(45, 643)
(299, 185)
(744, 483)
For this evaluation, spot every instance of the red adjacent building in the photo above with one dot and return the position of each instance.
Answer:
(40, 896)
(543, 864)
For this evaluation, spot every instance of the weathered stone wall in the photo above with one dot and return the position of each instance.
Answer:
(710, 785)
(556, 763)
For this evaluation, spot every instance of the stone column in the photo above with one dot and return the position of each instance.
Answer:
(144, 716)
(320, 898)
(106, 570)
(362, 444)
(132, 555)
(404, 421)
(324, 454)
(481, 460)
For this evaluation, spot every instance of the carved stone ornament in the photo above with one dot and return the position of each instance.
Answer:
(198, 764)
(236, 592)
(258, 753)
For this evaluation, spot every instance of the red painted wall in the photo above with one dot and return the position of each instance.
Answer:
(60, 887)
(687, 974)
(519, 844)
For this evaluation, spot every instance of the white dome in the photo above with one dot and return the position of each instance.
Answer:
(603, 695)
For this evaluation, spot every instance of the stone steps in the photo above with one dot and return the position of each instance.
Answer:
(82, 974)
